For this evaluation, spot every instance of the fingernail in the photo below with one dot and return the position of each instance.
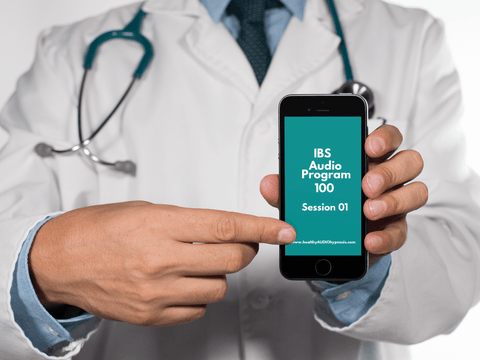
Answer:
(377, 146)
(377, 207)
(374, 182)
(286, 236)
(376, 243)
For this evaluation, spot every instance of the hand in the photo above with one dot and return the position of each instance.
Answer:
(389, 200)
(136, 261)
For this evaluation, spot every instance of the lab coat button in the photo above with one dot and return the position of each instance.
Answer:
(258, 299)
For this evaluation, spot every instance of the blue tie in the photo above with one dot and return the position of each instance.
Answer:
(252, 39)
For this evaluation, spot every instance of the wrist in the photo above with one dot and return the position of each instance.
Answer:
(41, 266)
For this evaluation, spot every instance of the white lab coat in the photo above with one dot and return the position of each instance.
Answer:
(203, 135)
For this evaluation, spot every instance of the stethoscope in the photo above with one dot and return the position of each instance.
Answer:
(132, 32)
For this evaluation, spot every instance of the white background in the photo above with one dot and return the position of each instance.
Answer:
(21, 21)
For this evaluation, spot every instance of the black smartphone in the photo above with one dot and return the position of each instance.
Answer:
(322, 163)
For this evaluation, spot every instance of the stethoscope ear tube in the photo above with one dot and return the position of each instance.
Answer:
(127, 167)
(130, 32)
(44, 150)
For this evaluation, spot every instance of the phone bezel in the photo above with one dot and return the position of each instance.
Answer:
(303, 267)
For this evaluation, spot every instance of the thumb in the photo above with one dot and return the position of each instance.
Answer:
(270, 190)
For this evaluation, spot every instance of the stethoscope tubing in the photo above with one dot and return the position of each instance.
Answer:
(132, 32)
(343, 46)
(125, 166)
(80, 100)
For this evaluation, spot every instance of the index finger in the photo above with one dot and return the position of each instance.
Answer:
(215, 226)
(383, 142)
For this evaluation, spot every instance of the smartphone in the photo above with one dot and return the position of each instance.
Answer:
(322, 163)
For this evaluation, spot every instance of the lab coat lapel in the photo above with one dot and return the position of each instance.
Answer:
(215, 48)
(305, 47)
(211, 44)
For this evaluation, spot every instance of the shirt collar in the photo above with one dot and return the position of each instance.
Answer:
(296, 7)
(317, 9)
(217, 8)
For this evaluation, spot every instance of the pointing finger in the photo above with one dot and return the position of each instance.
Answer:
(215, 226)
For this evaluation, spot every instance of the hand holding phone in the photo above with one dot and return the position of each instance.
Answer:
(322, 163)
(383, 185)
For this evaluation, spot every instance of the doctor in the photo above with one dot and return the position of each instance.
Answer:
(203, 135)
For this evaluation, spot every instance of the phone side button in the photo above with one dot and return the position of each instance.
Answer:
(323, 267)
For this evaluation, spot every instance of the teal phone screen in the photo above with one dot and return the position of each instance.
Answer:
(323, 173)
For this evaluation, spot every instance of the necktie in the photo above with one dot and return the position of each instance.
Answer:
(252, 39)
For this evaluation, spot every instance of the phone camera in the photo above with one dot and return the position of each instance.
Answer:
(309, 109)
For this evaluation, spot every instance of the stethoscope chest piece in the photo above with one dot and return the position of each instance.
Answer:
(358, 88)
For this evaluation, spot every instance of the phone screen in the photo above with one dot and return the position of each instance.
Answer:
(323, 175)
